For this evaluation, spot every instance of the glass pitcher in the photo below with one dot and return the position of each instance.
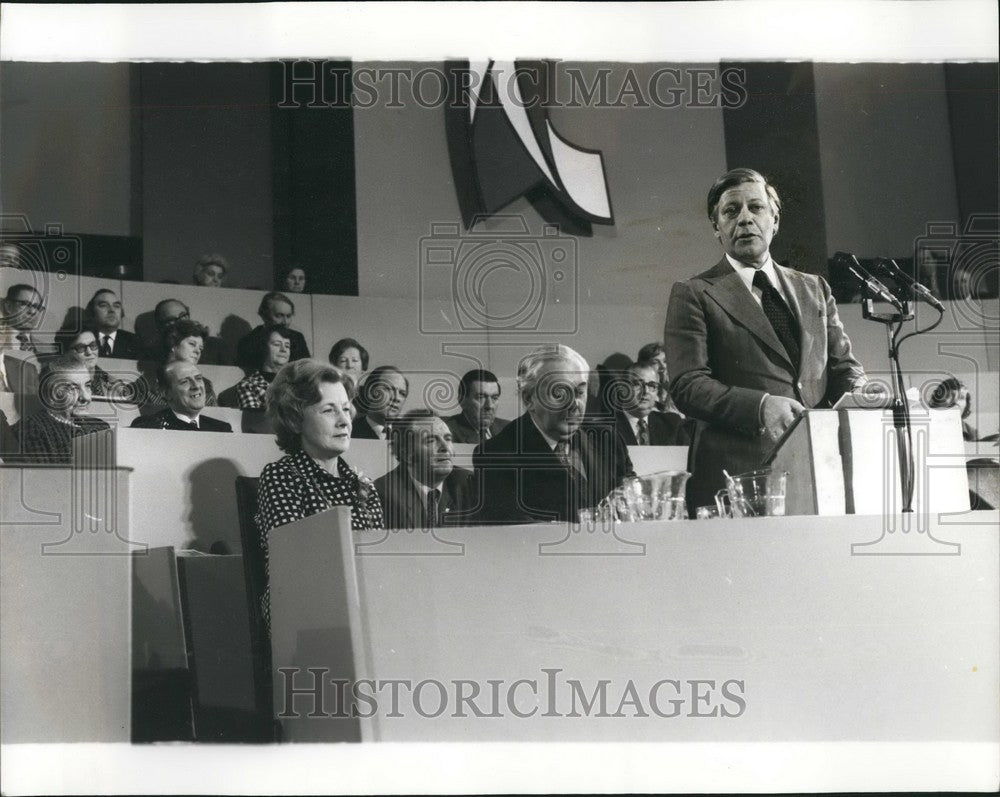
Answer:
(758, 493)
(655, 496)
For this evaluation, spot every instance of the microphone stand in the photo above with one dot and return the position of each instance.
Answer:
(900, 406)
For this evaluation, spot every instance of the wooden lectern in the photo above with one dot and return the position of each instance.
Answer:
(845, 462)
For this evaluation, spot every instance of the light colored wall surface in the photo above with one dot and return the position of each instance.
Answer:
(885, 155)
(885, 149)
(659, 164)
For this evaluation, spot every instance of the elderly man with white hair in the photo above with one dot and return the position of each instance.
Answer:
(545, 465)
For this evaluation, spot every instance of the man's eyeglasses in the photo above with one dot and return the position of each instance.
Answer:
(83, 348)
(24, 304)
(646, 386)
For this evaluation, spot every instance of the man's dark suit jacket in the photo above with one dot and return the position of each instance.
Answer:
(463, 432)
(723, 355)
(521, 480)
(402, 507)
(127, 345)
(361, 429)
(165, 419)
(665, 429)
(8, 442)
(22, 379)
(250, 346)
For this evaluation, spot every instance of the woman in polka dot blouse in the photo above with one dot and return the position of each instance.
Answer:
(309, 404)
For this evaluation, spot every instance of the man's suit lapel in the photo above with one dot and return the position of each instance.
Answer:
(624, 429)
(731, 294)
(466, 429)
(405, 500)
(530, 441)
(452, 493)
(657, 428)
(810, 324)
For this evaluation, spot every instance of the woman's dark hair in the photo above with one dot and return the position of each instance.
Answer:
(67, 336)
(184, 328)
(946, 394)
(265, 342)
(649, 351)
(343, 345)
(273, 296)
(286, 272)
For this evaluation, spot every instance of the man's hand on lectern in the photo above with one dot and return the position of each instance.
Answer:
(777, 414)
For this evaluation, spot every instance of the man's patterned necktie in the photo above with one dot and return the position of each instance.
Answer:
(433, 508)
(570, 458)
(781, 318)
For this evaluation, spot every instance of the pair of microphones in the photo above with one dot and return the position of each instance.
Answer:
(906, 287)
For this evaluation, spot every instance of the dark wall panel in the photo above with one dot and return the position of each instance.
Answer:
(973, 110)
(775, 132)
(315, 216)
(206, 170)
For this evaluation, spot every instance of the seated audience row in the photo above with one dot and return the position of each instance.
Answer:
(546, 465)
(180, 338)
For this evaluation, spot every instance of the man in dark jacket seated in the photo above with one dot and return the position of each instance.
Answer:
(184, 387)
(478, 394)
(638, 422)
(105, 312)
(425, 488)
(275, 309)
(545, 465)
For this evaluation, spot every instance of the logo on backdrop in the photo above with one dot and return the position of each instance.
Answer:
(503, 146)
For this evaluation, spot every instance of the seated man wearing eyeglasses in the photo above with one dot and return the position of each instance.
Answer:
(22, 312)
(638, 422)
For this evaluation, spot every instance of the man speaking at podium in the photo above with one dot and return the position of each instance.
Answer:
(749, 343)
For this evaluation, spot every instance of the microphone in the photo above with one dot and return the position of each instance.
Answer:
(892, 269)
(875, 288)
